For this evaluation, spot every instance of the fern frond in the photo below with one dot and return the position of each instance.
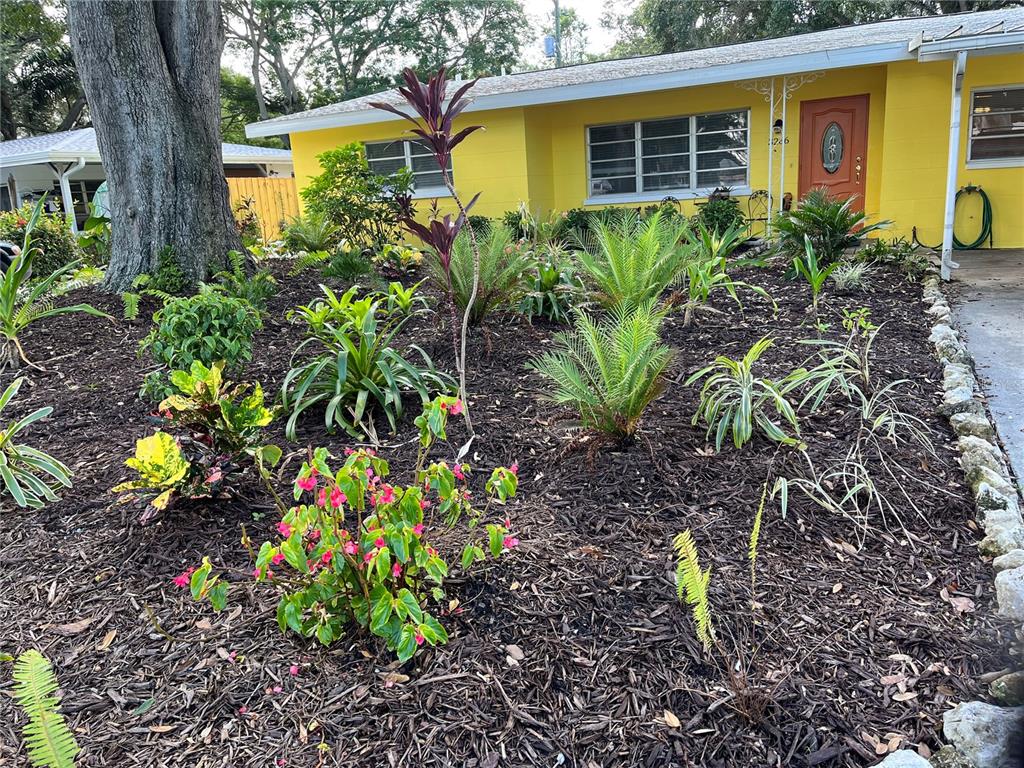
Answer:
(755, 536)
(131, 305)
(692, 585)
(306, 259)
(48, 740)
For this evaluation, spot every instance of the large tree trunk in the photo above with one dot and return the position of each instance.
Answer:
(151, 73)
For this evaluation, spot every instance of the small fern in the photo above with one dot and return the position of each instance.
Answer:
(692, 585)
(48, 739)
(755, 535)
(131, 305)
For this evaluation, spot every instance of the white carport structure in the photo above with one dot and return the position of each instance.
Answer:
(32, 166)
(956, 46)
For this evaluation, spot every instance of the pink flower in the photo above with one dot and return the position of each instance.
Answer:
(314, 534)
(293, 670)
(243, 709)
(457, 471)
(182, 579)
(514, 469)
(337, 497)
(257, 573)
(510, 542)
(368, 557)
(277, 559)
(419, 639)
(321, 499)
(418, 529)
(307, 483)
(349, 451)
(351, 548)
(424, 504)
(456, 408)
(277, 689)
(369, 472)
(396, 570)
(325, 558)
(284, 529)
(387, 495)
(379, 542)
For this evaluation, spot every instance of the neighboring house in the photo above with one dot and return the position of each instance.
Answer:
(67, 165)
(864, 110)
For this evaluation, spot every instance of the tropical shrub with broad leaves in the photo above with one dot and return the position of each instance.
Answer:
(218, 427)
(397, 260)
(555, 288)
(721, 214)
(357, 551)
(504, 266)
(23, 302)
(207, 327)
(609, 370)
(55, 244)
(348, 367)
(734, 401)
(366, 208)
(831, 224)
(27, 475)
(633, 260)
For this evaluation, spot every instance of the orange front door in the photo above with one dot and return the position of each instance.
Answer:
(834, 146)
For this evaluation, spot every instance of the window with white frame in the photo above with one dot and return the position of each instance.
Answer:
(997, 124)
(671, 155)
(386, 157)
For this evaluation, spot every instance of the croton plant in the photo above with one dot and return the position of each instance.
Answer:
(356, 549)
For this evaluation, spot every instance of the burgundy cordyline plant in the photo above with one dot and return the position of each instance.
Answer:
(433, 119)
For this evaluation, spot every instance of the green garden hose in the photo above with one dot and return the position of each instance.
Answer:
(986, 222)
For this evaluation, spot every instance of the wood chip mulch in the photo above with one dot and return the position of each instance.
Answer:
(572, 651)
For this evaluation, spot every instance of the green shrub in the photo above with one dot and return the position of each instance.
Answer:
(247, 222)
(829, 223)
(312, 232)
(609, 370)
(238, 284)
(27, 475)
(554, 290)
(346, 264)
(735, 401)
(504, 264)
(347, 365)
(911, 261)
(55, 243)
(364, 206)
(720, 214)
(633, 260)
(207, 327)
(811, 270)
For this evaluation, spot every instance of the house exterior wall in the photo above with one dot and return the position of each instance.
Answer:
(538, 154)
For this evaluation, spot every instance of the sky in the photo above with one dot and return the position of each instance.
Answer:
(599, 40)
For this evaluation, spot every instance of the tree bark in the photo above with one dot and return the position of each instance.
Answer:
(151, 73)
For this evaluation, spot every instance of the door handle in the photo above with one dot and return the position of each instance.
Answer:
(857, 168)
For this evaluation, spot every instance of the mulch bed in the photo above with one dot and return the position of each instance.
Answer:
(567, 652)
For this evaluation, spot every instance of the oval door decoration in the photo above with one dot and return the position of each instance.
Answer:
(832, 148)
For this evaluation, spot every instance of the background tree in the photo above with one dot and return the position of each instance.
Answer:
(239, 106)
(39, 87)
(151, 73)
(573, 32)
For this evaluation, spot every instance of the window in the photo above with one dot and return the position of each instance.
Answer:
(997, 124)
(386, 157)
(661, 157)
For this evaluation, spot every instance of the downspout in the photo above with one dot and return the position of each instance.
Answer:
(959, 67)
(65, 193)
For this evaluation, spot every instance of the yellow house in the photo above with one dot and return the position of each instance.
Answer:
(899, 113)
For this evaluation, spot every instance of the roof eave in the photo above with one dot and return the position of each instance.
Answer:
(878, 53)
(982, 44)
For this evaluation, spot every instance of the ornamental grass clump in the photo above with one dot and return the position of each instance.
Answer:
(356, 551)
(609, 370)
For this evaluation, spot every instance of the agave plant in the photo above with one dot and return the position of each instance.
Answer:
(29, 476)
(23, 303)
(504, 264)
(831, 224)
(609, 370)
(630, 260)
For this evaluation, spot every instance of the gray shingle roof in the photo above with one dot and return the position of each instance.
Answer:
(893, 31)
(82, 143)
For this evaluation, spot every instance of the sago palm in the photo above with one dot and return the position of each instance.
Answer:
(630, 260)
(609, 370)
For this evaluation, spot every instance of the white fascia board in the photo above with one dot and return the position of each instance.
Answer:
(879, 53)
(29, 158)
(255, 160)
(979, 45)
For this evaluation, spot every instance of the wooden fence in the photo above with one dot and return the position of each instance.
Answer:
(274, 199)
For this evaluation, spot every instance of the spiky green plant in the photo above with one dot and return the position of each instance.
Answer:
(734, 400)
(311, 233)
(809, 268)
(48, 740)
(504, 267)
(712, 244)
(755, 538)
(23, 303)
(629, 260)
(29, 476)
(831, 224)
(609, 370)
(306, 259)
(235, 281)
(692, 586)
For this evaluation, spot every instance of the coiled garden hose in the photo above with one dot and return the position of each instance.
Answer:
(986, 222)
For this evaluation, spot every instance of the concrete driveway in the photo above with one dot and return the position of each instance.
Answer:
(988, 304)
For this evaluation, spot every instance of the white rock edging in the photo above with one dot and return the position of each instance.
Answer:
(983, 735)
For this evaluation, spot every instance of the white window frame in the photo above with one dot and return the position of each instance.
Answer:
(693, 192)
(990, 162)
(417, 194)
